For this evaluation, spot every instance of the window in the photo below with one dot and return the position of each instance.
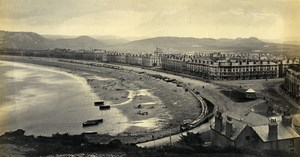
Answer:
(292, 151)
(292, 142)
(248, 138)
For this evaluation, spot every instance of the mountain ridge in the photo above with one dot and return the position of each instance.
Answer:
(31, 40)
(169, 44)
(193, 44)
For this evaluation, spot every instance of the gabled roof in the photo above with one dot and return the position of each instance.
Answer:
(262, 129)
(283, 132)
(238, 127)
(296, 120)
(254, 119)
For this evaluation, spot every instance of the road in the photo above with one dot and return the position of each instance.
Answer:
(174, 138)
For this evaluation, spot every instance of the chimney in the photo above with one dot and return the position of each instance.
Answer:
(229, 129)
(286, 119)
(273, 129)
(218, 121)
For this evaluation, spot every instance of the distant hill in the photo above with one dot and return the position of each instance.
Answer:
(107, 40)
(24, 40)
(30, 40)
(111, 40)
(186, 44)
(82, 42)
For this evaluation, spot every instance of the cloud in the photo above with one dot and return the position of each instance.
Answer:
(209, 18)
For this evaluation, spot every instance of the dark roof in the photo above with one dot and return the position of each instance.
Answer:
(283, 131)
(238, 127)
(254, 119)
(295, 67)
(260, 124)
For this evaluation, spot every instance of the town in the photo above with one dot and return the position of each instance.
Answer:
(149, 78)
(272, 130)
(215, 65)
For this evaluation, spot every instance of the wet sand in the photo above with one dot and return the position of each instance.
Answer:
(165, 104)
(44, 101)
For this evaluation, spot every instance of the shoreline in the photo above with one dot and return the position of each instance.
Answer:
(164, 130)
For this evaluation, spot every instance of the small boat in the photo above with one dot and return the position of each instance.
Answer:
(89, 123)
(104, 107)
(99, 103)
(99, 120)
(92, 122)
(89, 133)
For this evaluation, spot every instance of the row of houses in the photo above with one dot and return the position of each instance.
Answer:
(226, 68)
(215, 56)
(57, 53)
(148, 60)
(217, 66)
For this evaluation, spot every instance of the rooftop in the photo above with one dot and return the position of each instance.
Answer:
(255, 119)
(283, 131)
(295, 67)
(259, 124)
(250, 90)
(238, 127)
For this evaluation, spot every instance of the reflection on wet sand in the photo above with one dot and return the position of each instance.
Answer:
(45, 101)
(142, 93)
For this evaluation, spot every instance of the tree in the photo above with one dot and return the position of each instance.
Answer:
(191, 139)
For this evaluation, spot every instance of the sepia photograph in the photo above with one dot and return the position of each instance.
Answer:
(149, 78)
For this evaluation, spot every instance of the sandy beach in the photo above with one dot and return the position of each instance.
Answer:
(135, 93)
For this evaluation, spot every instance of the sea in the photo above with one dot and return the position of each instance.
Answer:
(44, 101)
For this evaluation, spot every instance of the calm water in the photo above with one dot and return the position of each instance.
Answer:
(44, 101)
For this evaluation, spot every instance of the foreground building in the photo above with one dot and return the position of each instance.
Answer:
(278, 134)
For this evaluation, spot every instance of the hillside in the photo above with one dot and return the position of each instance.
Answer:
(107, 40)
(82, 42)
(30, 40)
(24, 40)
(186, 44)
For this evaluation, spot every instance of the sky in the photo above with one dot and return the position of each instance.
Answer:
(265, 19)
